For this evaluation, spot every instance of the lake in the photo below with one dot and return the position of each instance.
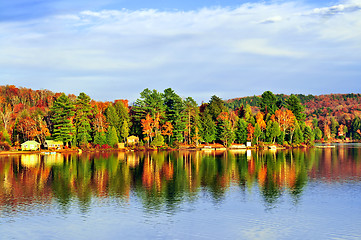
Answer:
(284, 194)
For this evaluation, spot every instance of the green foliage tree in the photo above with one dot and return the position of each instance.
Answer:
(193, 121)
(175, 113)
(248, 114)
(208, 128)
(281, 138)
(241, 131)
(215, 107)
(100, 138)
(158, 141)
(124, 123)
(83, 113)
(257, 132)
(309, 136)
(112, 136)
(356, 128)
(268, 103)
(318, 133)
(112, 117)
(334, 127)
(272, 130)
(150, 102)
(227, 135)
(124, 131)
(62, 113)
(298, 135)
(294, 104)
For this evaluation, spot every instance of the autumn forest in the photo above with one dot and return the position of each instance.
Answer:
(166, 120)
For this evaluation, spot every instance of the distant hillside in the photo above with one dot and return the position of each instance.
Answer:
(341, 106)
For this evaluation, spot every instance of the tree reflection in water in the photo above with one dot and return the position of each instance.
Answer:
(166, 179)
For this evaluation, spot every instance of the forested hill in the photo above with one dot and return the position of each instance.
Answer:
(338, 105)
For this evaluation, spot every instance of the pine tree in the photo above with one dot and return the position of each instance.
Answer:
(63, 111)
(124, 123)
(158, 141)
(241, 132)
(112, 136)
(227, 136)
(317, 133)
(309, 136)
(257, 132)
(294, 104)
(208, 132)
(298, 135)
(82, 119)
(100, 138)
(124, 131)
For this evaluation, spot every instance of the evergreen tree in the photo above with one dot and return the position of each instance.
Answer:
(112, 136)
(112, 118)
(100, 138)
(257, 132)
(356, 128)
(281, 138)
(124, 131)
(227, 135)
(158, 141)
(272, 130)
(309, 136)
(294, 104)
(268, 103)
(215, 107)
(124, 123)
(241, 132)
(248, 114)
(298, 135)
(192, 116)
(317, 133)
(208, 131)
(150, 102)
(62, 113)
(334, 127)
(175, 113)
(82, 119)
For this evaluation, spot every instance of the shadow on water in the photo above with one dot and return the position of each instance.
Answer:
(165, 180)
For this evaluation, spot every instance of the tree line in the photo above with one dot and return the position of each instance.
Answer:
(160, 119)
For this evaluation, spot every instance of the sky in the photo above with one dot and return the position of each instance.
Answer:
(230, 48)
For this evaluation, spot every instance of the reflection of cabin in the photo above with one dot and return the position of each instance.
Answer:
(30, 160)
(52, 145)
(30, 146)
(132, 140)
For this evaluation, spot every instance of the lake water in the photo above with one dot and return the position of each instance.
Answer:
(288, 194)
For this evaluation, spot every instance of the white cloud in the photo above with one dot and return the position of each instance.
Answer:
(202, 52)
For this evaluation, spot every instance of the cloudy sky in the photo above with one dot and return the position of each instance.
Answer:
(113, 49)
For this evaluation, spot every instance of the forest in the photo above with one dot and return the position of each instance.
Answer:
(164, 119)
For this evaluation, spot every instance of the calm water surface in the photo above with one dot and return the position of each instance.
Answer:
(292, 194)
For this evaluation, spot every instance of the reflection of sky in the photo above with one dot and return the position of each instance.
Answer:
(114, 49)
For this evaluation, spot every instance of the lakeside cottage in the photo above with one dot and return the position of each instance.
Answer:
(30, 146)
(132, 140)
(53, 145)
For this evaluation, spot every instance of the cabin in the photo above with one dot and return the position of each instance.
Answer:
(30, 146)
(121, 146)
(53, 145)
(132, 140)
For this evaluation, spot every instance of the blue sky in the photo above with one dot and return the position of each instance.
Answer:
(114, 49)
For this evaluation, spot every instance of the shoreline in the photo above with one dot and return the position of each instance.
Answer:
(144, 149)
